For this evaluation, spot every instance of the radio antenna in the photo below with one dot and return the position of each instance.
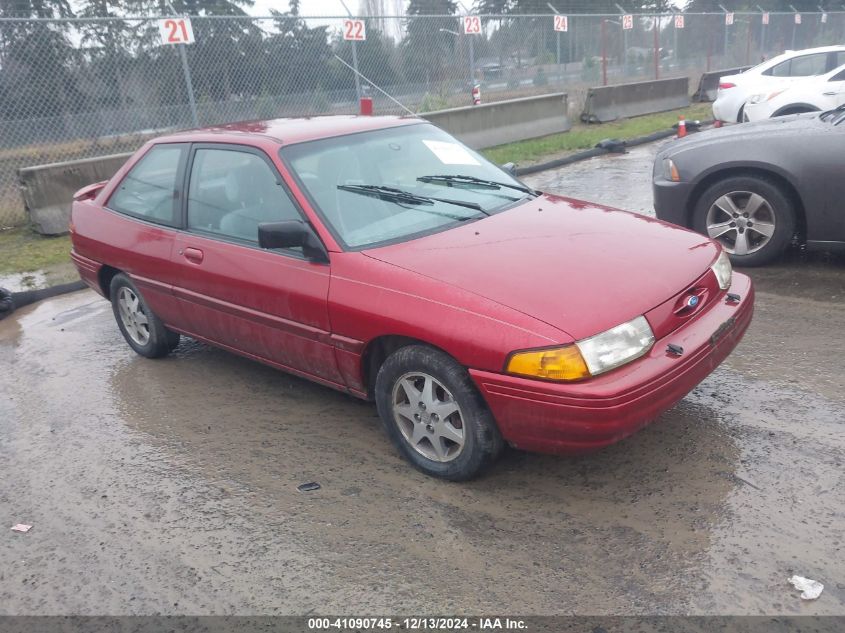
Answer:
(361, 75)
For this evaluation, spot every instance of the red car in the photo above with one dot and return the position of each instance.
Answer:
(381, 257)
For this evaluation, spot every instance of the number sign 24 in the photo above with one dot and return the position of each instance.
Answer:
(176, 31)
(354, 30)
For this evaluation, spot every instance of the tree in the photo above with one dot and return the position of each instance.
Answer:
(430, 41)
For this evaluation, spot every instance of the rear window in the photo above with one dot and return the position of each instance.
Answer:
(149, 191)
(801, 66)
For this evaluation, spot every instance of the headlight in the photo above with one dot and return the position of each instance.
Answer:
(670, 172)
(763, 96)
(723, 270)
(616, 346)
(587, 357)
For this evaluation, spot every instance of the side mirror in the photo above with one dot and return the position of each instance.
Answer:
(510, 168)
(292, 234)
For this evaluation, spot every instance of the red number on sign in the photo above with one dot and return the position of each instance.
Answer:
(354, 30)
(176, 26)
(627, 22)
(561, 23)
(472, 24)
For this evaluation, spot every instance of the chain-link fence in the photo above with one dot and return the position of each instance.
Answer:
(77, 88)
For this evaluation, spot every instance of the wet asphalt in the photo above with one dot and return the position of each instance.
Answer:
(170, 486)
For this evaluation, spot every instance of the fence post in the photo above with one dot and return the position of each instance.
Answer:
(603, 52)
(656, 47)
(354, 58)
(189, 86)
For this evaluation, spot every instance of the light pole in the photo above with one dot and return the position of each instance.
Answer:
(557, 34)
(624, 41)
(354, 58)
(471, 54)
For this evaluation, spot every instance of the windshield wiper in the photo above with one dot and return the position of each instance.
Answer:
(824, 115)
(452, 180)
(391, 194)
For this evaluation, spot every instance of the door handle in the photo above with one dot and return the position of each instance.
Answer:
(829, 94)
(192, 254)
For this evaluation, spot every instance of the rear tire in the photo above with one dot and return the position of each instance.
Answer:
(143, 330)
(750, 216)
(434, 415)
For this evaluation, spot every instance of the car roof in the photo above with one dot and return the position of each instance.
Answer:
(289, 131)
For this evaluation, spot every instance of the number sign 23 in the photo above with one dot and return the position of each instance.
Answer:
(176, 31)
(354, 30)
(472, 24)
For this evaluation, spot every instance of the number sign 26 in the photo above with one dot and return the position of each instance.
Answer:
(176, 31)
(354, 30)
(472, 24)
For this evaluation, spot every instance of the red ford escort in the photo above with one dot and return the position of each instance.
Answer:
(381, 257)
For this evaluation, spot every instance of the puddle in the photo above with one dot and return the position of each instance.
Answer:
(18, 282)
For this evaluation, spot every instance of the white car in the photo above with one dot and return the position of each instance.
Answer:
(813, 94)
(735, 90)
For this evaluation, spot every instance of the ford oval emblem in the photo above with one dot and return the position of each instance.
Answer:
(692, 301)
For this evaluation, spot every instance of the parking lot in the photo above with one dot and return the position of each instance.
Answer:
(170, 486)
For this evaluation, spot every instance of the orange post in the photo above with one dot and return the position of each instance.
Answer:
(682, 127)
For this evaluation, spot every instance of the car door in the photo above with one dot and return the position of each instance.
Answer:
(834, 91)
(141, 231)
(268, 304)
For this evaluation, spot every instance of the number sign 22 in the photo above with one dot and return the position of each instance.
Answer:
(472, 24)
(354, 30)
(176, 31)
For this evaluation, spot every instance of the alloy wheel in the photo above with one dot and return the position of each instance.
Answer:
(132, 315)
(428, 417)
(742, 221)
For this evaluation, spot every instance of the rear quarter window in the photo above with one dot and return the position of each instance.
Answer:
(150, 190)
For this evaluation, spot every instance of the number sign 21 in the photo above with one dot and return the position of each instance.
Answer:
(176, 31)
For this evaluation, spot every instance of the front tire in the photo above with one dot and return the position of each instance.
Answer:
(434, 415)
(142, 329)
(750, 216)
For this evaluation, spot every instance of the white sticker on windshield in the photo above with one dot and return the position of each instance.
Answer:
(451, 153)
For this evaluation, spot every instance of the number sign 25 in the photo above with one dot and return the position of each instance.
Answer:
(354, 30)
(472, 24)
(176, 31)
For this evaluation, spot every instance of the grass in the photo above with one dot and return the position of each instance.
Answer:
(22, 250)
(584, 136)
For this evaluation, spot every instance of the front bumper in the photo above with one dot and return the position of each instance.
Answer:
(579, 417)
(671, 200)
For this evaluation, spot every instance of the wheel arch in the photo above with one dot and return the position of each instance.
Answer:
(104, 277)
(377, 351)
(795, 108)
(754, 172)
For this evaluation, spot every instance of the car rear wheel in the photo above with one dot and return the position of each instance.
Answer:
(751, 217)
(141, 328)
(435, 416)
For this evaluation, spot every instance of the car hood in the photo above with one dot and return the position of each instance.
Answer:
(577, 266)
(797, 125)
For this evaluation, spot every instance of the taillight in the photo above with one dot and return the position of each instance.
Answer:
(726, 85)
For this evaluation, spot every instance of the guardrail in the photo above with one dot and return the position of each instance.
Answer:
(48, 189)
(505, 121)
(608, 103)
(709, 83)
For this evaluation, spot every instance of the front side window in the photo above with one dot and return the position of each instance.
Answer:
(395, 184)
(232, 192)
(150, 189)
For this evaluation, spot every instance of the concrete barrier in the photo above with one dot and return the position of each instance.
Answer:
(48, 189)
(505, 121)
(608, 103)
(709, 83)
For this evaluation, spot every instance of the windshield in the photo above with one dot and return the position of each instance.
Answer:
(399, 183)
